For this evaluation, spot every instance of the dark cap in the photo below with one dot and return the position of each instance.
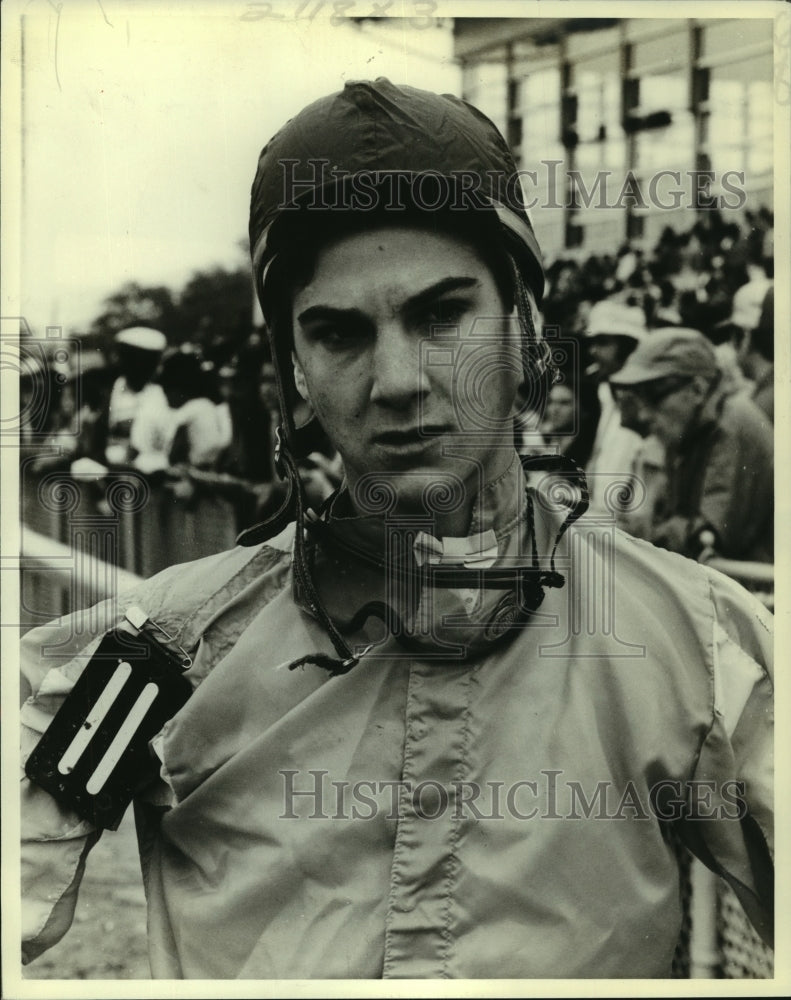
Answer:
(668, 352)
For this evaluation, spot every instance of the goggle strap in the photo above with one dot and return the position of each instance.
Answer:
(302, 573)
(570, 469)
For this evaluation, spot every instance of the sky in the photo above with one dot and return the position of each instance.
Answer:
(142, 125)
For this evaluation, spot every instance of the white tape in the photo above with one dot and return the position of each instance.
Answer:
(88, 729)
(122, 739)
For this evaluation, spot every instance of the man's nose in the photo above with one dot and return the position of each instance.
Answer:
(399, 376)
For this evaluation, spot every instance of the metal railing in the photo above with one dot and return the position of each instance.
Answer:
(45, 556)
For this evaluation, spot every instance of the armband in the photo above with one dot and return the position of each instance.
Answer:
(94, 757)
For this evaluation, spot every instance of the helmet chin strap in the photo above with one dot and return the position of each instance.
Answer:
(543, 369)
(303, 577)
(526, 582)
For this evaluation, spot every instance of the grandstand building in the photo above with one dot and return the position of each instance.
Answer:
(622, 127)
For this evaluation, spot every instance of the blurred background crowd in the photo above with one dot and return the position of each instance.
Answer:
(664, 393)
(666, 389)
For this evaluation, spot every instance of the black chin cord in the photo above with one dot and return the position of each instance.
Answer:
(530, 581)
(543, 368)
(304, 580)
(575, 476)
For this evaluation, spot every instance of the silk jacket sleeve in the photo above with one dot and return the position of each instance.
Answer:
(55, 841)
(730, 825)
(204, 605)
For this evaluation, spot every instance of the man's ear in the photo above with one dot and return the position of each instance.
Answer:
(299, 378)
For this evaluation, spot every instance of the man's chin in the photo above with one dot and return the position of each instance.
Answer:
(425, 493)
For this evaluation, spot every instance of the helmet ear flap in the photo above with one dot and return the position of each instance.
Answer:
(539, 370)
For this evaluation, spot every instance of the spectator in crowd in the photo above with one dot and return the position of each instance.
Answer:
(565, 428)
(570, 419)
(138, 419)
(725, 326)
(201, 421)
(754, 341)
(250, 455)
(94, 382)
(665, 307)
(719, 459)
(76, 408)
(560, 417)
(614, 330)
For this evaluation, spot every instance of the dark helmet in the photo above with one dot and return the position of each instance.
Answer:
(378, 128)
(376, 148)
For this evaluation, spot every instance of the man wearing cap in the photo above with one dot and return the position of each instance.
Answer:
(754, 342)
(613, 331)
(139, 421)
(719, 449)
(404, 754)
(742, 368)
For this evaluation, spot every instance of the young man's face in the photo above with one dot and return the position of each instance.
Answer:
(415, 412)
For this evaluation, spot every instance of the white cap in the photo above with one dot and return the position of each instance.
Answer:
(616, 319)
(748, 302)
(142, 337)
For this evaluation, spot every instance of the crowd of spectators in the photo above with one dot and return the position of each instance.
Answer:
(665, 390)
(667, 393)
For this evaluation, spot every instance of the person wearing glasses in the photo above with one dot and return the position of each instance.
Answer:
(718, 447)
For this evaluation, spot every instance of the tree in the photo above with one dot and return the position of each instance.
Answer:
(216, 310)
(137, 305)
(213, 310)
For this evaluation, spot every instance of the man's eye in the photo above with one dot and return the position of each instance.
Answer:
(446, 312)
(334, 337)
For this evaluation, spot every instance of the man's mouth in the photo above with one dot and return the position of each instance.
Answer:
(411, 437)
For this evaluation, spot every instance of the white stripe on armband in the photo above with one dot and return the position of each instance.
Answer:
(88, 729)
(122, 739)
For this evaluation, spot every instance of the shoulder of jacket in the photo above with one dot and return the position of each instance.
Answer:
(667, 569)
(184, 597)
(204, 576)
(670, 576)
(691, 583)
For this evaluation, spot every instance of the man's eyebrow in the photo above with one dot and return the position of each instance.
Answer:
(450, 284)
(414, 302)
(317, 313)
